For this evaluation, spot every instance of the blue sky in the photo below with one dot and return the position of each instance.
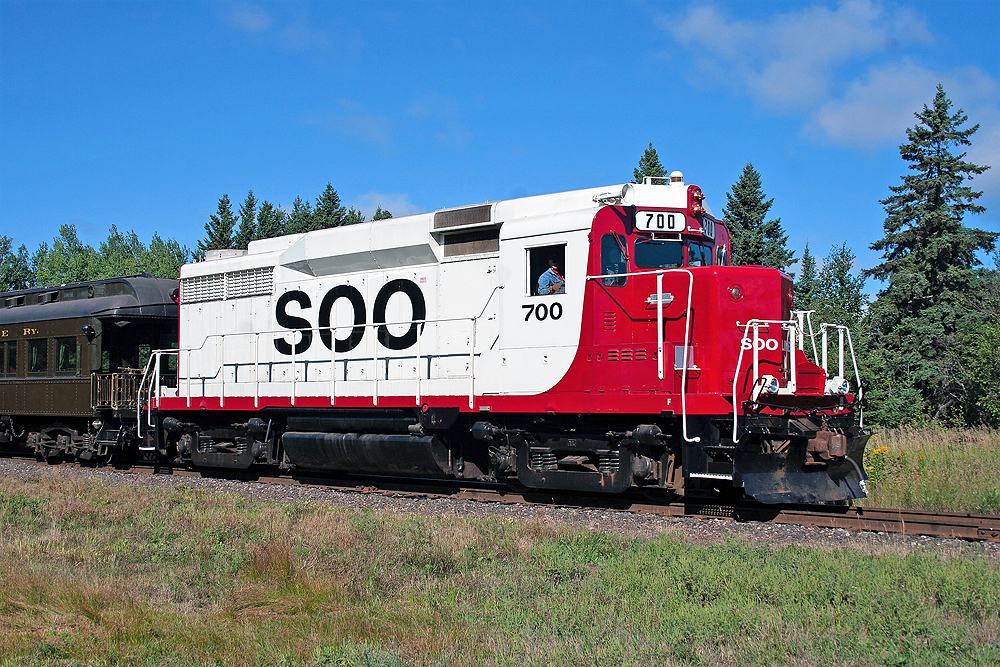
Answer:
(142, 114)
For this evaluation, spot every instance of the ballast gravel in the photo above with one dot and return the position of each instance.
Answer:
(694, 530)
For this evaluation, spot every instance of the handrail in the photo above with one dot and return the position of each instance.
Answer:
(659, 273)
(154, 379)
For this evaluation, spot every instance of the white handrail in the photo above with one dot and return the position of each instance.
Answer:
(660, 334)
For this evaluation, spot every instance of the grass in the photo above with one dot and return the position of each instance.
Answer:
(99, 575)
(935, 468)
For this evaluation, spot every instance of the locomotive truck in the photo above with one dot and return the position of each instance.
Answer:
(432, 346)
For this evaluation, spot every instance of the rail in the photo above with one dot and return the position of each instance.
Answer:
(659, 298)
(150, 382)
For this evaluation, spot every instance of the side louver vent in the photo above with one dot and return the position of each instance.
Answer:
(202, 288)
(232, 285)
(460, 217)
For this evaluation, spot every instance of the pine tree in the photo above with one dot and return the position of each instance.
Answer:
(840, 297)
(381, 214)
(352, 217)
(247, 231)
(270, 221)
(219, 228)
(301, 220)
(929, 260)
(806, 285)
(649, 165)
(754, 239)
(328, 212)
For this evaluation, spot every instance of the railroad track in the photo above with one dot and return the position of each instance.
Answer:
(974, 527)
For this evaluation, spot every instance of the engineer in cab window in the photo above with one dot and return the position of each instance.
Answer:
(551, 282)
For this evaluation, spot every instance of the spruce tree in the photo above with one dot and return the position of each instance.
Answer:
(352, 217)
(806, 285)
(649, 165)
(247, 231)
(270, 221)
(328, 212)
(301, 220)
(381, 214)
(840, 297)
(929, 261)
(219, 228)
(755, 240)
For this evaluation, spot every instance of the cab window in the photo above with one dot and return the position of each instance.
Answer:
(38, 356)
(546, 270)
(699, 255)
(658, 254)
(613, 260)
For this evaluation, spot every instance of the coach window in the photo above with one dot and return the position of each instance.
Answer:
(613, 260)
(658, 254)
(8, 357)
(67, 353)
(38, 356)
(538, 263)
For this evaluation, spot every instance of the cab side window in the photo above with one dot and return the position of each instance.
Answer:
(699, 255)
(613, 260)
(546, 266)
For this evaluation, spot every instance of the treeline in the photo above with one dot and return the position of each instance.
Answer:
(929, 342)
(67, 259)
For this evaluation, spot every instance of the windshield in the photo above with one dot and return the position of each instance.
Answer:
(658, 254)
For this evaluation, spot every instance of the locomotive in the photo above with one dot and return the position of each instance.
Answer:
(590, 341)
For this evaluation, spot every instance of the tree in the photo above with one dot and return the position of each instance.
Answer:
(219, 228)
(352, 217)
(301, 219)
(15, 271)
(381, 214)
(754, 239)
(840, 297)
(68, 261)
(121, 255)
(649, 165)
(929, 261)
(979, 342)
(247, 230)
(165, 258)
(806, 287)
(328, 212)
(270, 221)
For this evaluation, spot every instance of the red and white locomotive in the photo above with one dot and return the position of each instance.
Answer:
(433, 346)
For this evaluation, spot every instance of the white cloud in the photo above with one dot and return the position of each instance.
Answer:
(397, 203)
(250, 18)
(876, 110)
(789, 61)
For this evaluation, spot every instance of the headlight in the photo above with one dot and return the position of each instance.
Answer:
(838, 385)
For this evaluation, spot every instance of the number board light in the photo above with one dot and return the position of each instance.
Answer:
(660, 221)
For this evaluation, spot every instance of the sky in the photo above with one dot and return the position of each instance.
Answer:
(143, 114)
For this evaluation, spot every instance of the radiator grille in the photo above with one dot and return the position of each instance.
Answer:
(202, 288)
(250, 282)
(232, 285)
(463, 216)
